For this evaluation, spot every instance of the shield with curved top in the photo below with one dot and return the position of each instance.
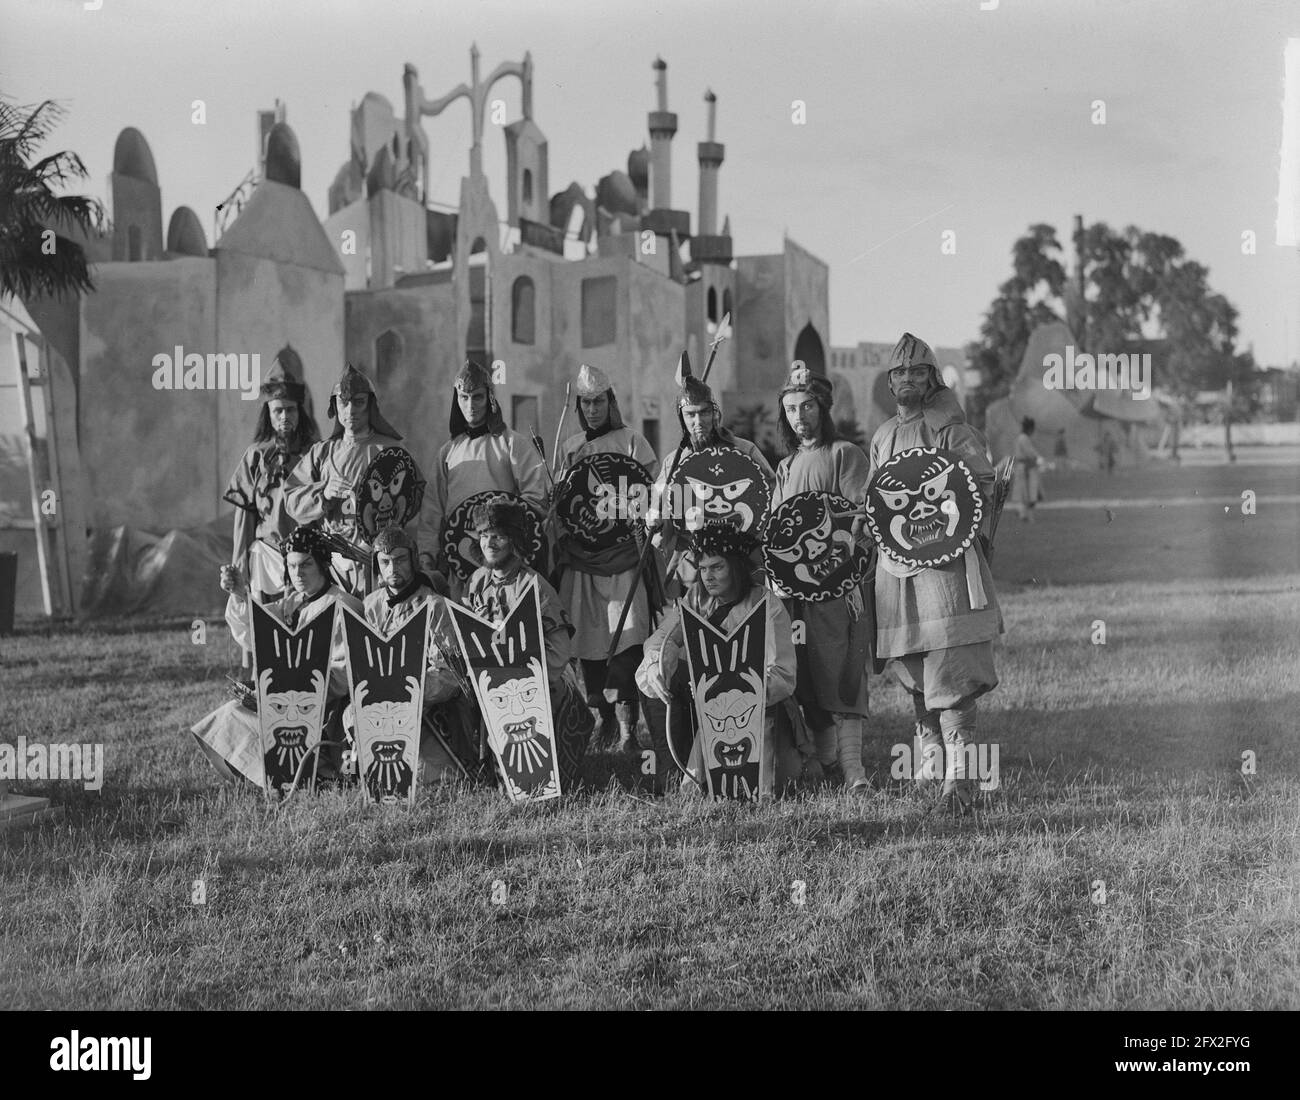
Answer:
(924, 507)
(460, 541)
(719, 485)
(390, 493)
(598, 496)
(810, 552)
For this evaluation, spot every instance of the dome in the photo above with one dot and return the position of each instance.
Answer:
(185, 233)
(283, 161)
(131, 157)
(638, 167)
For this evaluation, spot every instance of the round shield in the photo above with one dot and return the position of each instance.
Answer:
(924, 507)
(390, 493)
(460, 539)
(810, 553)
(595, 500)
(719, 485)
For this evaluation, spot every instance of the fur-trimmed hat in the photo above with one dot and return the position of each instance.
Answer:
(284, 381)
(724, 540)
(507, 516)
(352, 383)
(394, 538)
(308, 539)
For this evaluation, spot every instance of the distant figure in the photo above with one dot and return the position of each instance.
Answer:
(1029, 489)
(1061, 452)
(1109, 451)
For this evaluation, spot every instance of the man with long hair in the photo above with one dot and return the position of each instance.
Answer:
(834, 658)
(285, 429)
(934, 624)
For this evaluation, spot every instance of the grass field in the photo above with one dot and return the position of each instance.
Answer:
(1124, 862)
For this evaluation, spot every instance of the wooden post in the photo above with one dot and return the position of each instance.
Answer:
(37, 470)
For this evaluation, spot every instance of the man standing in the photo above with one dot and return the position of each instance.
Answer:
(594, 584)
(832, 687)
(323, 484)
(481, 455)
(285, 430)
(940, 642)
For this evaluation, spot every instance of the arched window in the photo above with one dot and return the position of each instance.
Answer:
(726, 305)
(711, 309)
(388, 355)
(528, 185)
(476, 336)
(523, 311)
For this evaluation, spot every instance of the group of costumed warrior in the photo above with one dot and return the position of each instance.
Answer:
(740, 595)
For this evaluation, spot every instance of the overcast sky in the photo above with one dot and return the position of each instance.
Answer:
(921, 116)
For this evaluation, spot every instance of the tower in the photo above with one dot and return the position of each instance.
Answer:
(709, 247)
(662, 219)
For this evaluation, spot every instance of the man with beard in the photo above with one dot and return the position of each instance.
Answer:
(229, 736)
(403, 591)
(594, 585)
(481, 455)
(285, 429)
(941, 646)
(323, 484)
(700, 418)
(833, 660)
(725, 594)
(492, 592)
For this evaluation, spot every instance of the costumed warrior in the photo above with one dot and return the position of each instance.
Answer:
(1029, 467)
(493, 590)
(323, 484)
(594, 584)
(700, 418)
(230, 737)
(403, 590)
(834, 659)
(481, 455)
(940, 645)
(285, 429)
(724, 593)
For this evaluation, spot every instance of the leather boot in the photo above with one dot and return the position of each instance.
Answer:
(927, 755)
(626, 714)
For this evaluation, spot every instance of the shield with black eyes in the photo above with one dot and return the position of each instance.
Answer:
(386, 679)
(726, 671)
(810, 553)
(390, 493)
(292, 676)
(596, 500)
(721, 485)
(924, 507)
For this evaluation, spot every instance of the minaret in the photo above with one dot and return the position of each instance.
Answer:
(663, 125)
(710, 155)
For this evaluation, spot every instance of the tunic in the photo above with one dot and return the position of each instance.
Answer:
(470, 464)
(837, 633)
(1027, 461)
(346, 457)
(256, 490)
(591, 594)
(386, 618)
(931, 609)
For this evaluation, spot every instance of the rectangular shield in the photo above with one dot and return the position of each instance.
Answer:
(386, 680)
(726, 672)
(506, 663)
(292, 671)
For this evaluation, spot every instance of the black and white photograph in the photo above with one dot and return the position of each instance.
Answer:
(651, 506)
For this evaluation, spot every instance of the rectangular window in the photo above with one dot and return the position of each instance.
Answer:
(523, 412)
(599, 310)
(650, 429)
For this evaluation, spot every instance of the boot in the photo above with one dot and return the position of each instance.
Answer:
(626, 714)
(927, 754)
(959, 786)
(606, 725)
(848, 745)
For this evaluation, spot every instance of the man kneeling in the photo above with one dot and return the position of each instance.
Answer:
(724, 593)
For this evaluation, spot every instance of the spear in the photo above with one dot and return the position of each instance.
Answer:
(555, 451)
(684, 365)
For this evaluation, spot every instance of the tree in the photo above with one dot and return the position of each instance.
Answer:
(36, 257)
(1134, 284)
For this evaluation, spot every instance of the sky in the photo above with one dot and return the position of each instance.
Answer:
(921, 118)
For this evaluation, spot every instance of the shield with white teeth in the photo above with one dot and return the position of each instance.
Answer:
(292, 677)
(726, 675)
(924, 507)
(506, 664)
(720, 485)
(386, 678)
(810, 552)
(390, 493)
(597, 498)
